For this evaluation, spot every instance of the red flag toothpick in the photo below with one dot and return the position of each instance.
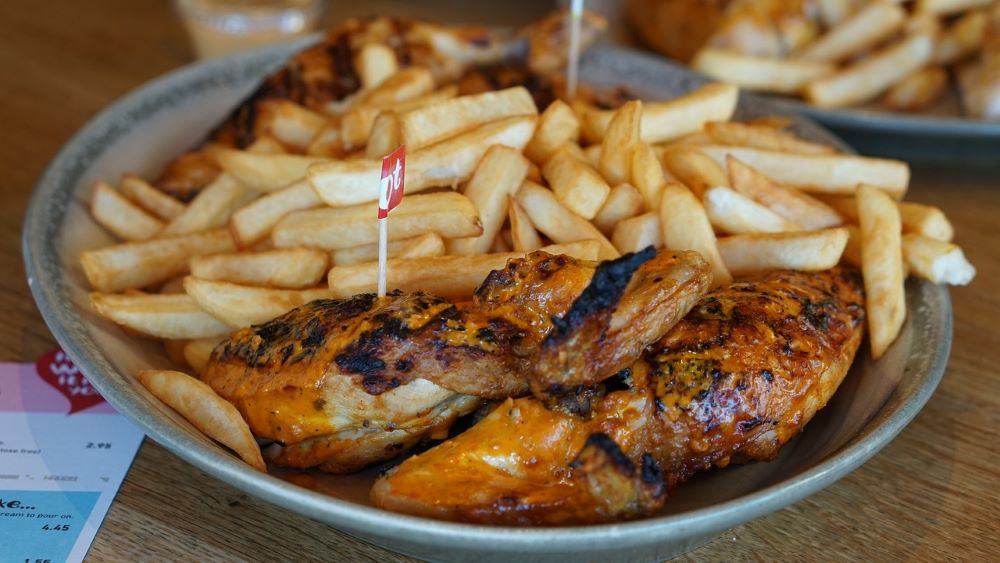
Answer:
(389, 195)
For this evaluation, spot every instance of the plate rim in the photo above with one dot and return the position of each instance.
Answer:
(370, 521)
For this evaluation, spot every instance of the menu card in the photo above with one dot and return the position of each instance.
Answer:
(63, 455)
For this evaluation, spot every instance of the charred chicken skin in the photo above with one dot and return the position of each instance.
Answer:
(341, 384)
(734, 380)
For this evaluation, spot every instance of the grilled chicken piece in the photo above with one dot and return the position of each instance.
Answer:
(342, 383)
(737, 378)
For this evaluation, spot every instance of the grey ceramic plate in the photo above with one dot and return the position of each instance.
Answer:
(146, 128)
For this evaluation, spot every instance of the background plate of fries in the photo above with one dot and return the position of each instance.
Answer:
(146, 128)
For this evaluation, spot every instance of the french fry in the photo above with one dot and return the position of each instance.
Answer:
(407, 84)
(961, 39)
(624, 201)
(241, 305)
(265, 172)
(621, 135)
(290, 123)
(524, 237)
(803, 210)
(211, 414)
(500, 173)
(672, 119)
(159, 316)
(356, 125)
(808, 251)
(647, 175)
(212, 207)
(198, 351)
(140, 264)
(374, 63)
(737, 214)
(918, 90)
(350, 182)
(557, 222)
(558, 125)
(255, 221)
(427, 244)
(925, 220)
(947, 7)
(785, 76)
(449, 214)
(635, 233)
(686, 227)
(385, 135)
(881, 266)
(123, 218)
(289, 268)
(447, 276)
(431, 123)
(937, 261)
(872, 75)
(761, 137)
(592, 155)
(577, 186)
(830, 174)
(694, 168)
(329, 142)
(150, 198)
(861, 31)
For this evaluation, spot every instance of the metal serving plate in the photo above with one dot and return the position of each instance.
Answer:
(141, 132)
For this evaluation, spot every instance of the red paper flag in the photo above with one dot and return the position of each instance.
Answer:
(391, 186)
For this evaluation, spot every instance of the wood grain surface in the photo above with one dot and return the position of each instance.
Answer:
(930, 495)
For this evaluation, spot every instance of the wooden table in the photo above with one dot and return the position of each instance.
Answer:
(931, 494)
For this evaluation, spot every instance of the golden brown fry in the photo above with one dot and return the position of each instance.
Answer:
(265, 172)
(647, 175)
(686, 227)
(374, 63)
(937, 261)
(803, 210)
(918, 90)
(431, 123)
(621, 135)
(356, 125)
(206, 411)
(577, 186)
(449, 214)
(149, 198)
(558, 125)
(254, 222)
(737, 214)
(809, 251)
(861, 31)
(694, 168)
(241, 305)
(500, 173)
(785, 76)
(141, 264)
(881, 266)
(625, 201)
(636, 233)
(407, 84)
(761, 137)
(427, 244)
(290, 268)
(123, 218)
(384, 136)
(557, 222)
(212, 207)
(160, 316)
(289, 123)
(524, 237)
(925, 220)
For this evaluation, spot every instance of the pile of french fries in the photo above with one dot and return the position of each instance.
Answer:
(293, 217)
(896, 52)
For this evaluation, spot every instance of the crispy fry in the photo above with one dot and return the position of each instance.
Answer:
(524, 237)
(212, 207)
(427, 244)
(160, 316)
(407, 84)
(329, 142)
(254, 222)
(761, 137)
(872, 75)
(785, 76)
(694, 168)
(287, 122)
(686, 227)
(500, 173)
(881, 266)
(265, 172)
(429, 124)
(918, 90)
(832, 174)
(625, 201)
(621, 135)
(356, 124)
(374, 63)
(449, 214)
(861, 31)
(241, 305)
(558, 125)
(150, 198)
(737, 214)
(123, 218)
(803, 250)
(635, 233)
(447, 276)
(206, 411)
(290, 268)
(937, 261)
(557, 222)
(961, 39)
(925, 220)
(647, 175)
(577, 186)
(341, 183)
(803, 210)
(385, 135)
(140, 264)
(196, 352)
